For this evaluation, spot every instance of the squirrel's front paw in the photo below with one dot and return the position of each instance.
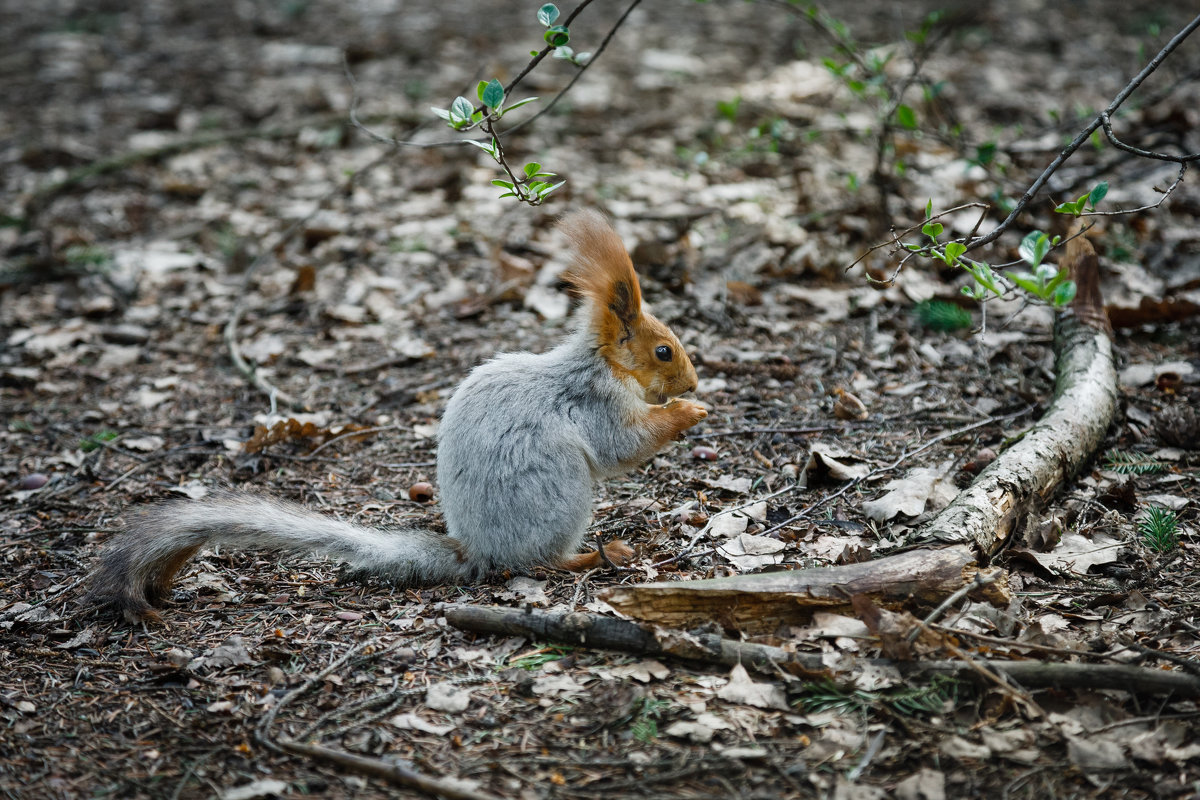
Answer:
(687, 413)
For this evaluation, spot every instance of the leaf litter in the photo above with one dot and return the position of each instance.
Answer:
(418, 270)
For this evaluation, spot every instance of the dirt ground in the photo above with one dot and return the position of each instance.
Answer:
(151, 152)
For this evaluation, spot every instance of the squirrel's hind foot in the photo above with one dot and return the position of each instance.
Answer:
(615, 552)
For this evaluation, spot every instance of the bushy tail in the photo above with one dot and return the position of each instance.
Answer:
(137, 569)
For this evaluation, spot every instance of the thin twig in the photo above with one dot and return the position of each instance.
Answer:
(579, 74)
(723, 512)
(889, 467)
(979, 582)
(753, 431)
(1083, 135)
(390, 771)
(1018, 695)
(346, 435)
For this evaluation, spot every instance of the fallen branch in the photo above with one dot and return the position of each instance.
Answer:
(593, 630)
(390, 771)
(762, 602)
(1054, 449)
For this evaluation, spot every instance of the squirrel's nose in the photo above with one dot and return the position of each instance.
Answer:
(692, 388)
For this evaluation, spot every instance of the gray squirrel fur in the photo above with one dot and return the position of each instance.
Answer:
(520, 443)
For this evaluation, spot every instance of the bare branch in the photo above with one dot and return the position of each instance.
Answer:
(595, 54)
(1083, 135)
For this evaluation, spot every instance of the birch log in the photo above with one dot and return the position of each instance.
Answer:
(1085, 398)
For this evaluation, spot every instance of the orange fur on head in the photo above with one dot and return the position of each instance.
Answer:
(626, 338)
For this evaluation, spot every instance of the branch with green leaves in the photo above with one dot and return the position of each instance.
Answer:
(1039, 281)
(531, 184)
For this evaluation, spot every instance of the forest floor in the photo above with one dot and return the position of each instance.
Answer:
(150, 152)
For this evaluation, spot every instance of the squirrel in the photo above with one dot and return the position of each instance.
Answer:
(520, 442)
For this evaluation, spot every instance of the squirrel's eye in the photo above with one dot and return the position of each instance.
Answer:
(662, 353)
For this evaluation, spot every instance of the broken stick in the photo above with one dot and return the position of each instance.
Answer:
(593, 630)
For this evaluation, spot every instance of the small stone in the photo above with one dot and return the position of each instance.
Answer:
(705, 453)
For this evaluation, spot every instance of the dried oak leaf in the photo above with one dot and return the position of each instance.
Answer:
(291, 429)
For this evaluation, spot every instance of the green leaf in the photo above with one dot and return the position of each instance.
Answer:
(547, 14)
(460, 111)
(493, 94)
(1057, 280)
(89, 443)
(985, 153)
(984, 277)
(520, 103)
(550, 189)
(1064, 294)
(1045, 273)
(929, 209)
(441, 112)
(532, 168)
(565, 53)
(479, 89)
(906, 116)
(502, 183)
(557, 35)
(487, 147)
(1097, 194)
(954, 250)
(932, 229)
(1026, 281)
(1129, 462)
(1034, 247)
(1074, 208)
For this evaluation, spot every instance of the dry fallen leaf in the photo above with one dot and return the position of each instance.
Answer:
(264, 787)
(415, 722)
(1096, 753)
(827, 462)
(701, 730)
(445, 696)
(742, 689)
(1075, 553)
(924, 784)
(909, 496)
(750, 552)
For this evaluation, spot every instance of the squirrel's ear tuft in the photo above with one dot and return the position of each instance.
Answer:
(602, 271)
